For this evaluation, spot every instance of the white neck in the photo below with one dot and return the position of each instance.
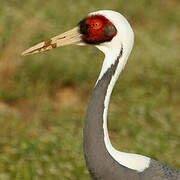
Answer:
(132, 161)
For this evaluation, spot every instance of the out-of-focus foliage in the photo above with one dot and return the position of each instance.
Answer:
(43, 98)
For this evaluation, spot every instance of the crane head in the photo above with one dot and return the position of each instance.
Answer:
(99, 29)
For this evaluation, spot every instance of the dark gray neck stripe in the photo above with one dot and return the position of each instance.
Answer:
(101, 165)
(99, 162)
(113, 67)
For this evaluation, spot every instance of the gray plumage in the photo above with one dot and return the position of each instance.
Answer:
(99, 162)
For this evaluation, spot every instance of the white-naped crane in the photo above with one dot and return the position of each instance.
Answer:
(110, 32)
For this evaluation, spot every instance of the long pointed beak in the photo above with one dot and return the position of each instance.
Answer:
(72, 36)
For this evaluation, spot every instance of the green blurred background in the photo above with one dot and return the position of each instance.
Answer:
(44, 97)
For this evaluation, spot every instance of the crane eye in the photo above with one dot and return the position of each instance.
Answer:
(96, 25)
(109, 30)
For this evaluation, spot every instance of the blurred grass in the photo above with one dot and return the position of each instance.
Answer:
(43, 98)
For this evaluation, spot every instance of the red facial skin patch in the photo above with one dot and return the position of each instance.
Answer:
(93, 29)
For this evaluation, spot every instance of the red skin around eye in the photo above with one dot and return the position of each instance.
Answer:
(96, 29)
